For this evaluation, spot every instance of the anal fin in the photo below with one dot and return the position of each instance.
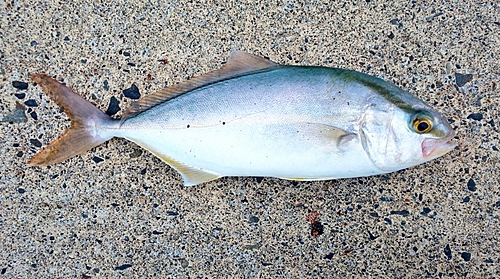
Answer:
(191, 175)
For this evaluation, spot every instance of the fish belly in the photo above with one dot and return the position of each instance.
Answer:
(294, 122)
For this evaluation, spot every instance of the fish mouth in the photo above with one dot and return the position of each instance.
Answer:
(433, 148)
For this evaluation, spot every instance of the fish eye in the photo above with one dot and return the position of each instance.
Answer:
(422, 124)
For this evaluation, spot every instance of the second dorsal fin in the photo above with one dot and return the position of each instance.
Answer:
(239, 64)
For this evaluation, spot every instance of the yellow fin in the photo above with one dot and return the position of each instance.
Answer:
(239, 64)
(191, 175)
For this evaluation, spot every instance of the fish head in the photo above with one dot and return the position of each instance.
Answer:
(397, 137)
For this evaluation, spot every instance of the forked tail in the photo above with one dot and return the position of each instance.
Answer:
(86, 129)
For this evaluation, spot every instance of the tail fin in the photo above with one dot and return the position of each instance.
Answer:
(84, 132)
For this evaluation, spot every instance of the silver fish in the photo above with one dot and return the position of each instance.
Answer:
(253, 117)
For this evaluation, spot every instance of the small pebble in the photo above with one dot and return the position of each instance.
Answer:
(34, 115)
(123, 267)
(466, 256)
(114, 106)
(20, 85)
(132, 92)
(184, 263)
(461, 79)
(97, 159)
(425, 211)
(447, 251)
(31, 103)
(471, 185)
(403, 213)
(20, 95)
(475, 116)
(36, 142)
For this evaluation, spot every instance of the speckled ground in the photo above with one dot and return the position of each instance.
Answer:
(118, 212)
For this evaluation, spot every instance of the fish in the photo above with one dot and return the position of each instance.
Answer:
(254, 117)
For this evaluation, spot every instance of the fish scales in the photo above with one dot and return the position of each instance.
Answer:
(292, 122)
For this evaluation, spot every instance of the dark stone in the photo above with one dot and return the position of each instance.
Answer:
(21, 190)
(471, 185)
(36, 142)
(488, 260)
(461, 79)
(429, 18)
(155, 232)
(126, 53)
(466, 199)
(20, 85)
(329, 256)
(425, 211)
(66, 38)
(372, 237)
(403, 213)
(20, 154)
(83, 61)
(34, 115)
(132, 92)
(105, 85)
(475, 116)
(97, 159)
(31, 103)
(447, 251)
(388, 221)
(34, 43)
(497, 204)
(20, 96)
(374, 214)
(143, 171)
(466, 256)
(387, 199)
(253, 219)
(317, 229)
(172, 213)
(114, 106)
(391, 36)
(123, 267)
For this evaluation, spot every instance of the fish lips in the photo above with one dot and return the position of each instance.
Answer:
(433, 148)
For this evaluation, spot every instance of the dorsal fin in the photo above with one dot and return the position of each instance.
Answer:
(239, 64)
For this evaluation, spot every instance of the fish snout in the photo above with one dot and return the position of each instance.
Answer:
(433, 148)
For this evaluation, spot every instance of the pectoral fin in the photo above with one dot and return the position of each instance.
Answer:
(326, 134)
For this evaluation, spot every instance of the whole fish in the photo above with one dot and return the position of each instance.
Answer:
(253, 117)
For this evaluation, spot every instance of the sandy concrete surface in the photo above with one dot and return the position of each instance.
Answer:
(119, 212)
